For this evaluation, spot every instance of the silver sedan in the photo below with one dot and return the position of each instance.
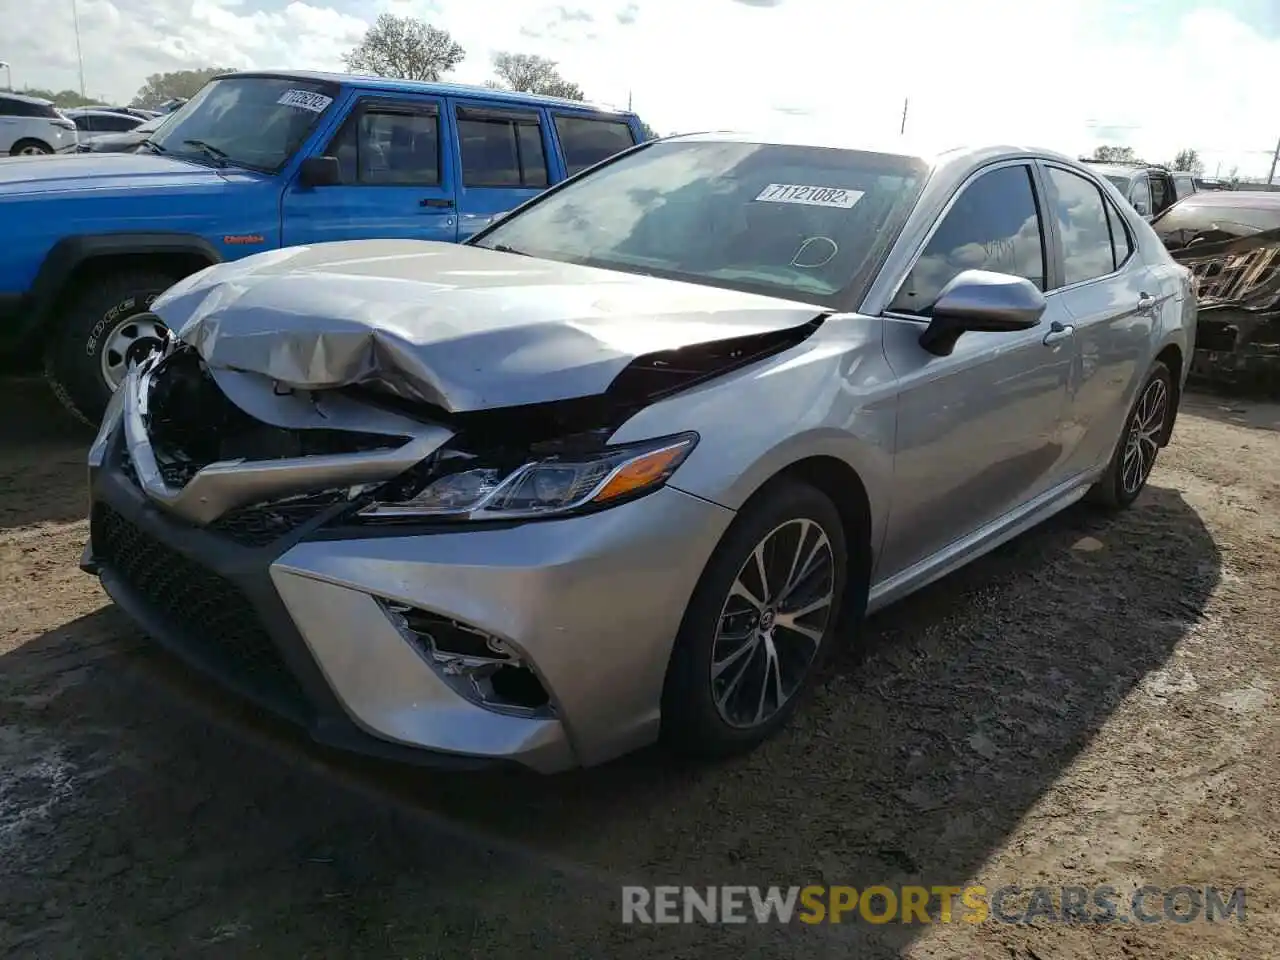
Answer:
(632, 462)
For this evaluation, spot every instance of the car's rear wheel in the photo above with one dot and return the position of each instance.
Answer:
(104, 329)
(1145, 430)
(30, 148)
(761, 621)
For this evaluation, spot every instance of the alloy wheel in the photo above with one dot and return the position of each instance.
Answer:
(1143, 440)
(772, 623)
(130, 341)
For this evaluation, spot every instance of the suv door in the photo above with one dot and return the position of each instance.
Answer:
(1112, 297)
(396, 177)
(502, 160)
(979, 431)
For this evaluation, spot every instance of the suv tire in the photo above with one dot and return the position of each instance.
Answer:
(73, 357)
(29, 147)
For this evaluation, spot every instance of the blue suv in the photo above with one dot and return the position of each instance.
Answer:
(257, 161)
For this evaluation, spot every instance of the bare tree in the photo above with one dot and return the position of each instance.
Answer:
(1188, 159)
(531, 73)
(404, 48)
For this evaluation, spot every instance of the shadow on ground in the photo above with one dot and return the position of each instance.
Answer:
(42, 451)
(142, 815)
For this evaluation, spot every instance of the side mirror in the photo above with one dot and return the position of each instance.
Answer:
(320, 172)
(982, 302)
(1142, 207)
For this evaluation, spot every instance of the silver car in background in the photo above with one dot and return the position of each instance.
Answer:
(630, 463)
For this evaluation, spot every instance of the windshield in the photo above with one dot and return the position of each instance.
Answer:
(254, 122)
(798, 222)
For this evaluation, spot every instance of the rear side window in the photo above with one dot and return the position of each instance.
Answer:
(1083, 226)
(21, 108)
(117, 124)
(1121, 239)
(586, 141)
(501, 150)
(83, 121)
(386, 146)
(993, 225)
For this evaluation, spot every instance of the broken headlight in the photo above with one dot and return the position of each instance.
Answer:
(464, 487)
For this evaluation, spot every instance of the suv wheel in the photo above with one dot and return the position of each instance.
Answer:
(30, 148)
(99, 335)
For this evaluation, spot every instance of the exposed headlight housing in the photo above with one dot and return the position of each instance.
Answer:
(465, 487)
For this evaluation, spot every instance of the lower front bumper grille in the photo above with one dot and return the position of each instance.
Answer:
(216, 621)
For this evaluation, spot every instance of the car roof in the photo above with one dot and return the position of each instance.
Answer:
(932, 152)
(7, 95)
(1263, 199)
(96, 112)
(361, 82)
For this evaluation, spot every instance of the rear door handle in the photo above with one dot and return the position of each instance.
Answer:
(1146, 301)
(1058, 332)
(435, 202)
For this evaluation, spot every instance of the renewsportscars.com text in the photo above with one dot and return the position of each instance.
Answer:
(937, 904)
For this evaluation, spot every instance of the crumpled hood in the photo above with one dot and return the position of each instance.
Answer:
(459, 327)
(99, 172)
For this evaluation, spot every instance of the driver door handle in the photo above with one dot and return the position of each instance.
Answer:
(1058, 332)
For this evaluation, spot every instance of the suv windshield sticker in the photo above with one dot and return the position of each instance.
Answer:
(811, 196)
(306, 100)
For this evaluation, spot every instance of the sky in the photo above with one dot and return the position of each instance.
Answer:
(1157, 75)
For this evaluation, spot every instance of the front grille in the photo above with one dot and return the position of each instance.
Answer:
(214, 618)
(265, 523)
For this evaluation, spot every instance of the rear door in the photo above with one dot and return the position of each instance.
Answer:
(1113, 298)
(586, 139)
(397, 177)
(501, 153)
(979, 431)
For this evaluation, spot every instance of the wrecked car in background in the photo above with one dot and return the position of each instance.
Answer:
(1231, 242)
(627, 464)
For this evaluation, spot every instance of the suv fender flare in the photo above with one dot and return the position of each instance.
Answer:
(70, 252)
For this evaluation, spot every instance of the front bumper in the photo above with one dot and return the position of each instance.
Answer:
(593, 603)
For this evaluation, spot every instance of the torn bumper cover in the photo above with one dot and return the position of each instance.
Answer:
(230, 516)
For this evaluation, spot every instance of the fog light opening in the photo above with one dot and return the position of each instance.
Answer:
(478, 666)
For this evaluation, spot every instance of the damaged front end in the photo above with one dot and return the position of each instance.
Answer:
(237, 458)
(1237, 285)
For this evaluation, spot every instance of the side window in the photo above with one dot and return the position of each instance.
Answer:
(1161, 193)
(501, 151)
(388, 146)
(586, 141)
(83, 121)
(1121, 240)
(1183, 187)
(1140, 194)
(118, 124)
(993, 225)
(1083, 227)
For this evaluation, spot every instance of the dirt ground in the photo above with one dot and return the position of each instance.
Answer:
(1095, 703)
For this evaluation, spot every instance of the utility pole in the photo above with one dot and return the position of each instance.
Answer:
(75, 22)
(1274, 157)
(905, 103)
(8, 73)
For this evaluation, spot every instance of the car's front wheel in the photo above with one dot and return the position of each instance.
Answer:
(30, 148)
(1145, 430)
(762, 618)
(103, 330)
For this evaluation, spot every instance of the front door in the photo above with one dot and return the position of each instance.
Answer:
(397, 178)
(502, 156)
(979, 431)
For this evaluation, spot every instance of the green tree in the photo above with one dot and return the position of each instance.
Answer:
(178, 84)
(63, 98)
(1110, 154)
(1188, 159)
(404, 48)
(531, 73)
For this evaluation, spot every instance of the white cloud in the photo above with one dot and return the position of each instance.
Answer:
(1066, 74)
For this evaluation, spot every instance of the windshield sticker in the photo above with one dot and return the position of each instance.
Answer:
(811, 196)
(305, 100)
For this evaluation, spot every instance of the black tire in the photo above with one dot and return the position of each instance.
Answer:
(27, 144)
(692, 724)
(73, 352)
(1112, 491)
